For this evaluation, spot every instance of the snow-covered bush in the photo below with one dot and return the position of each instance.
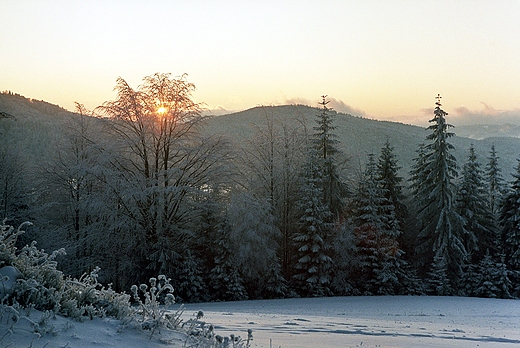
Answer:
(87, 298)
(150, 314)
(202, 335)
(8, 238)
(30, 281)
(40, 285)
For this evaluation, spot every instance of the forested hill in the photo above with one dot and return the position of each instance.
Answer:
(32, 126)
(161, 198)
(38, 123)
(359, 136)
(16, 104)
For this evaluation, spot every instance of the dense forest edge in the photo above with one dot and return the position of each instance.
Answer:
(293, 202)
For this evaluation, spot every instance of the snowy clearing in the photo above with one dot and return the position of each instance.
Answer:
(393, 321)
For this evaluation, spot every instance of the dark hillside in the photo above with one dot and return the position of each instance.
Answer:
(361, 136)
(36, 125)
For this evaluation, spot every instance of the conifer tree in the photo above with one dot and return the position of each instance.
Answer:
(325, 143)
(313, 262)
(493, 279)
(419, 171)
(390, 181)
(225, 278)
(472, 206)
(381, 269)
(253, 237)
(510, 222)
(369, 223)
(189, 283)
(495, 181)
(496, 190)
(441, 228)
(439, 283)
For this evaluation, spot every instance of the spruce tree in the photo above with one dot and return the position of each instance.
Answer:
(225, 280)
(313, 264)
(391, 182)
(496, 190)
(510, 222)
(473, 206)
(438, 281)
(189, 283)
(495, 181)
(380, 267)
(441, 229)
(493, 279)
(419, 173)
(325, 143)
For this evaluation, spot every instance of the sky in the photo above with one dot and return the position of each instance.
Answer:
(384, 59)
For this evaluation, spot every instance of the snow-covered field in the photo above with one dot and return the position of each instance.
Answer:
(393, 321)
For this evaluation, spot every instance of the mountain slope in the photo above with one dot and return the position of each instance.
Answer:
(36, 124)
(360, 136)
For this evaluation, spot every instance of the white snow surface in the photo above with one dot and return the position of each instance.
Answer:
(387, 321)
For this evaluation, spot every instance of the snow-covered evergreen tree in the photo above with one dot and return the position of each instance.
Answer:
(496, 185)
(391, 182)
(471, 280)
(440, 244)
(253, 238)
(473, 206)
(325, 143)
(313, 265)
(438, 281)
(493, 279)
(189, 284)
(225, 279)
(275, 285)
(496, 188)
(502, 281)
(510, 222)
(380, 267)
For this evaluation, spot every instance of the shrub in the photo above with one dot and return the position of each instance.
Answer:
(40, 285)
(150, 314)
(30, 280)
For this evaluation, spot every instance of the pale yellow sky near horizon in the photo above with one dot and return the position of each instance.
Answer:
(381, 59)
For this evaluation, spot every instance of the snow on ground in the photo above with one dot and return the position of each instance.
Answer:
(66, 333)
(392, 321)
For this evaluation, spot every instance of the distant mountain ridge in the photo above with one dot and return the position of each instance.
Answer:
(16, 104)
(37, 121)
(360, 136)
(484, 131)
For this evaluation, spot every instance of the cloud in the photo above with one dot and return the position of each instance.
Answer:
(340, 106)
(486, 115)
(427, 112)
(300, 101)
(217, 111)
(461, 110)
(335, 104)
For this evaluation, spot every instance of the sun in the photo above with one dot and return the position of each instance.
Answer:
(161, 110)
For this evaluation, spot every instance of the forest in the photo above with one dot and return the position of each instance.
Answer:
(138, 187)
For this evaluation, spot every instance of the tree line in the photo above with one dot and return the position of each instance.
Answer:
(135, 187)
